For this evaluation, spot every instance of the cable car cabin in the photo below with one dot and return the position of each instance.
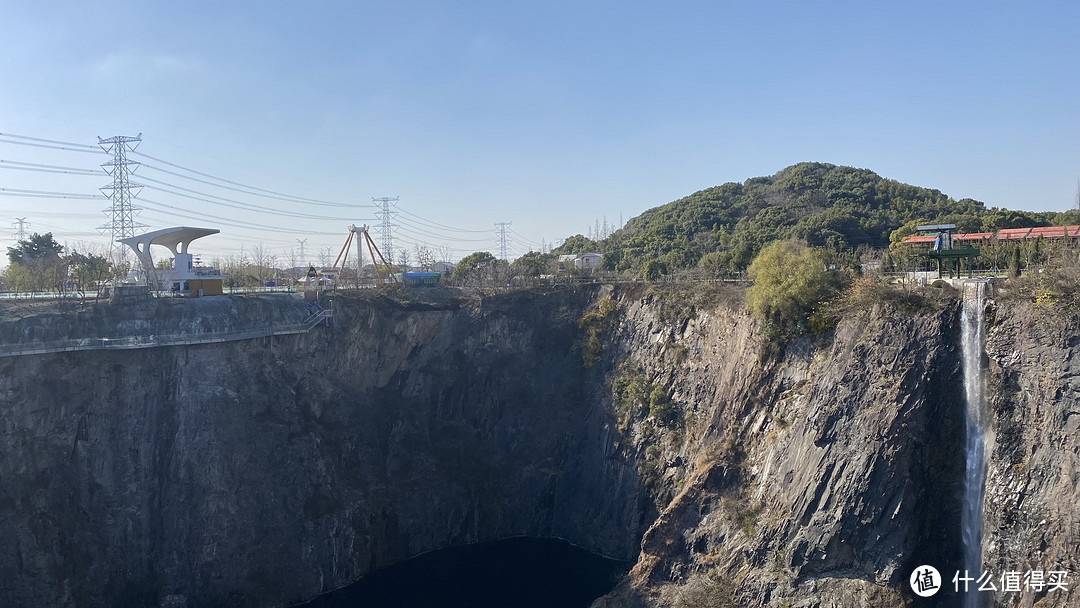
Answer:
(421, 279)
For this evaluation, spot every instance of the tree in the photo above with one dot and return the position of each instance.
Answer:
(37, 247)
(88, 271)
(471, 265)
(531, 265)
(653, 270)
(1014, 262)
(425, 257)
(576, 244)
(265, 262)
(790, 279)
(38, 264)
(18, 279)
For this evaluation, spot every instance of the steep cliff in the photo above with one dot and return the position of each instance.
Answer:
(1032, 508)
(816, 475)
(263, 472)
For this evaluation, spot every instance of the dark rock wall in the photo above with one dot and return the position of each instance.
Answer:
(261, 473)
(264, 472)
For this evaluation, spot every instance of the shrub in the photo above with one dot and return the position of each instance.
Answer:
(711, 591)
(594, 323)
(659, 403)
(790, 280)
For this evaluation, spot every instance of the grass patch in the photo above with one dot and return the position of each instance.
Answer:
(707, 591)
(1054, 288)
(595, 323)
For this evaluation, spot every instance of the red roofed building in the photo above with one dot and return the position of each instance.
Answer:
(1008, 234)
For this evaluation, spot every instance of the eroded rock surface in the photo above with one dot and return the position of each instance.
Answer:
(263, 472)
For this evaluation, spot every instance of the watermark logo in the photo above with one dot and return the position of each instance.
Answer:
(925, 581)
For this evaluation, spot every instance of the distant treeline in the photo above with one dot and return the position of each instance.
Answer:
(721, 229)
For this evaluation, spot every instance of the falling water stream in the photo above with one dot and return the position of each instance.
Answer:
(973, 338)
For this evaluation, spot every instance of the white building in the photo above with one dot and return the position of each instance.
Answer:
(183, 276)
(588, 261)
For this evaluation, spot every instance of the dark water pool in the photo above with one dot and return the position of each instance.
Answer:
(512, 573)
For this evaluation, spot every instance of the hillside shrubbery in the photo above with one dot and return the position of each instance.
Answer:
(720, 230)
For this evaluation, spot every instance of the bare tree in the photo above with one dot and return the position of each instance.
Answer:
(324, 257)
(264, 261)
(444, 253)
(425, 258)
(293, 261)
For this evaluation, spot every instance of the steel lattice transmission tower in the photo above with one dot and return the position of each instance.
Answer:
(122, 212)
(20, 224)
(500, 236)
(385, 213)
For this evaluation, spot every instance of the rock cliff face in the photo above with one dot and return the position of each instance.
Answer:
(1032, 505)
(817, 476)
(263, 472)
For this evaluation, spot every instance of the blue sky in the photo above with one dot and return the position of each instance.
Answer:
(549, 115)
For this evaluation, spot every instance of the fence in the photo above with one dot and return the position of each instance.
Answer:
(155, 341)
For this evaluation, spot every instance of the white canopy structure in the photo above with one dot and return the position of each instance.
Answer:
(177, 240)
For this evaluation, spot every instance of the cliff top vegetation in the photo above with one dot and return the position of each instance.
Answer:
(721, 229)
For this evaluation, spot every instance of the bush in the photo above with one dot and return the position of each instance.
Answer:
(709, 591)
(659, 403)
(1052, 287)
(790, 281)
(594, 323)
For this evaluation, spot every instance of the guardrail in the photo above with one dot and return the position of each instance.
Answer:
(155, 341)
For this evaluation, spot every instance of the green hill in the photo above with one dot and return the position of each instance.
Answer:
(841, 208)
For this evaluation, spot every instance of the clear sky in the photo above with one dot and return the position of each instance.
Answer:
(550, 115)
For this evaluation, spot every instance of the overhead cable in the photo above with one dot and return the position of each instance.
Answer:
(27, 143)
(48, 141)
(47, 194)
(228, 202)
(183, 212)
(12, 164)
(228, 181)
(438, 225)
(289, 199)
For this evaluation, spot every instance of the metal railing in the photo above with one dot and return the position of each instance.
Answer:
(156, 341)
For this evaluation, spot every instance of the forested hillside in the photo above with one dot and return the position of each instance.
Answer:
(721, 229)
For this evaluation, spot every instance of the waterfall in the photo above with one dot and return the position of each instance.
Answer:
(971, 518)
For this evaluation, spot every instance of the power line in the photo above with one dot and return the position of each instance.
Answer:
(122, 222)
(26, 143)
(438, 225)
(20, 224)
(500, 234)
(525, 240)
(423, 230)
(228, 202)
(385, 216)
(21, 166)
(49, 141)
(48, 194)
(182, 212)
(228, 181)
(289, 199)
(424, 236)
(51, 214)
